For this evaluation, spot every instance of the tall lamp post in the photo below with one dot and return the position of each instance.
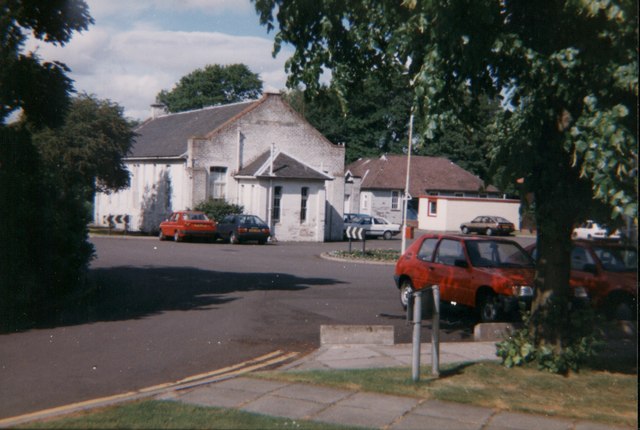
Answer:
(407, 196)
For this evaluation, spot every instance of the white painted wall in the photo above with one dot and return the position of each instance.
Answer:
(156, 189)
(453, 211)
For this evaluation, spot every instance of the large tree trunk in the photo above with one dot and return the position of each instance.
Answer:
(560, 198)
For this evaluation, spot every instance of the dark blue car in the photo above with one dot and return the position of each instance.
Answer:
(239, 228)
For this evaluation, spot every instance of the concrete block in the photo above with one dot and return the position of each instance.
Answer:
(356, 334)
(493, 331)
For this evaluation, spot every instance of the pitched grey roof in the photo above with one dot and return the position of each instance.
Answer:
(284, 167)
(167, 136)
(427, 174)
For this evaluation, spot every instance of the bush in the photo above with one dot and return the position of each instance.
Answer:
(218, 209)
(522, 346)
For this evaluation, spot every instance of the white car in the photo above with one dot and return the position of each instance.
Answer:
(591, 230)
(375, 226)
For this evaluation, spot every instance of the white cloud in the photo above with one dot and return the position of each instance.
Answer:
(131, 66)
(101, 9)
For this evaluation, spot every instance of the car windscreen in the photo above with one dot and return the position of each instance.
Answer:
(488, 253)
(617, 259)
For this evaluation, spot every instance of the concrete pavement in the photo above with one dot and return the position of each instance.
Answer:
(341, 406)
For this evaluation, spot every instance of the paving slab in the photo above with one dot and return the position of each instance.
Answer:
(520, 421)
(313, 393)
(284, 407)
(423, 422)
(217, 397)
(449, 410)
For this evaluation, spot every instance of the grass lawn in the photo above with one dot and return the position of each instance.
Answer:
(590, 395)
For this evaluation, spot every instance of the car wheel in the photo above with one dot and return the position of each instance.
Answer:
(262, 241)
(233, 239)
(489, 308)
(406, 292)
(622, 309)
(161, 236)
(176, 237)
(489, 232)
(465, 230)
(386, 235)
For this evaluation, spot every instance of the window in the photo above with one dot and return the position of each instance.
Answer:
(395, 200)
(433, 208)
(364, 203)
(217, 182)
(304, 196)
(277, 196)
(449, 251)
(426, 249)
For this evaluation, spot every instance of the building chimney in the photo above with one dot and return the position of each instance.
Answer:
(158, 110)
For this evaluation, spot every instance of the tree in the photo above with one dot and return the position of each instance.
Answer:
(567, 70)
(370, 117)
(41, 90)
(88, 149)
(213, 85)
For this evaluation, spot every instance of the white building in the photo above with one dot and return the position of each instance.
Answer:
(258, 154)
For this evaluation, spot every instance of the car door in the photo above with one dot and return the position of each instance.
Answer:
(171, 225)
(421, 271)
(225, 227)
(453, 279)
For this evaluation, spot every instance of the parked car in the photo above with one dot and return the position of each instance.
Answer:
(591, 230)
(187, 224)
(375, 226)
(492, 276)
(349, 217)
(239, 228)
(489, 225)
(609, 272)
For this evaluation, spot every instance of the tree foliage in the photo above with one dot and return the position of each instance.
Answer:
(568, 70)
(371, 117)
(89, 147)
(40, 89)
(213, 85)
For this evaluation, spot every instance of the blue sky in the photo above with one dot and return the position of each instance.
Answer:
(136, 48)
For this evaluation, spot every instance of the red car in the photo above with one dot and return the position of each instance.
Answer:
(491, 275)
(186, 224)
(609, 272)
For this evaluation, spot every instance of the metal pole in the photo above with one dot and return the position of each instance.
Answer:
(406, 188)
(417, 322)
(435, 333)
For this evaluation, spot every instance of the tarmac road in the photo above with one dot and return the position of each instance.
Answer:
(168, 310)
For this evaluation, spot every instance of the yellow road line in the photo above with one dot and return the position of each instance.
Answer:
(229, 371)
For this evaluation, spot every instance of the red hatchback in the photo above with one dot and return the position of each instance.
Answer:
(184, 224)
(490, 275)
(609, 272)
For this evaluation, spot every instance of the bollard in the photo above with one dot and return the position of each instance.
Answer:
(435, 333)
(417, 321)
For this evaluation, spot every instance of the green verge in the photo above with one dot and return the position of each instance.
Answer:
(154, 414)
(379, 255)
(590, 395)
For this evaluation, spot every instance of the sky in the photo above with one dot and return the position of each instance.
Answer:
(136, 48)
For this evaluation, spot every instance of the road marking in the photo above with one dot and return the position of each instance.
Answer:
(272, 358)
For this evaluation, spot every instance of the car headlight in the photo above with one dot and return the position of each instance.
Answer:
(522, 291)
(580, 293)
